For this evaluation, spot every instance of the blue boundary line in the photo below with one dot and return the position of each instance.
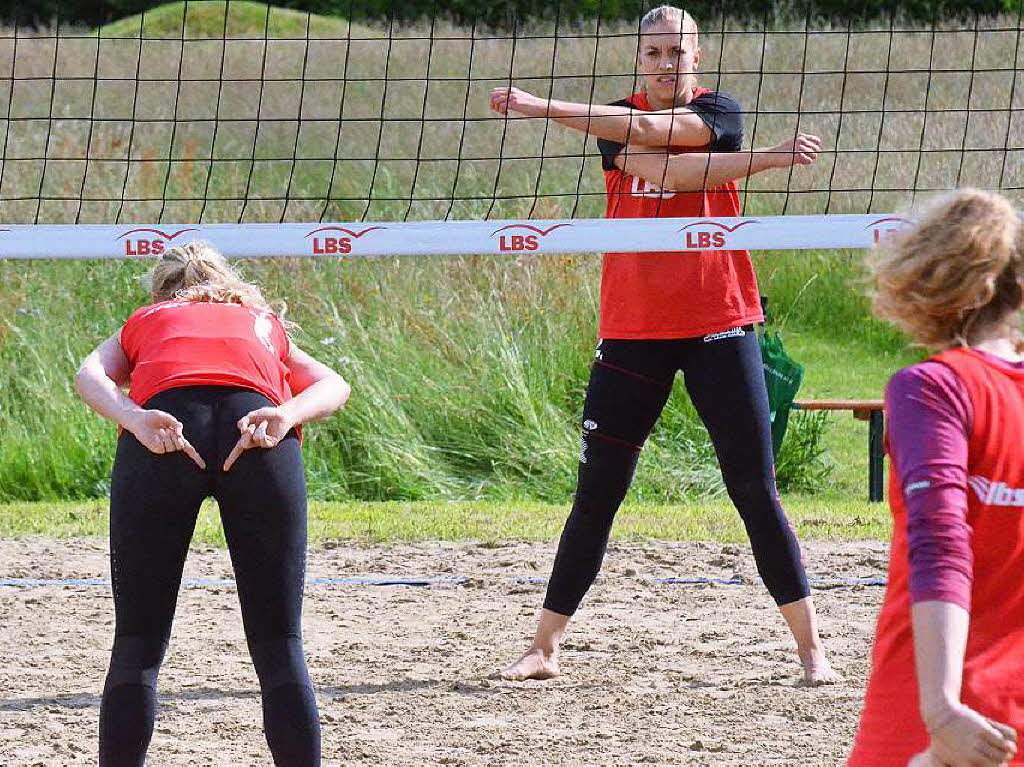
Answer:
(821, 583)
(231, 582)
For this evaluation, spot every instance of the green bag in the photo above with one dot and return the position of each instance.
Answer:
(782, 376)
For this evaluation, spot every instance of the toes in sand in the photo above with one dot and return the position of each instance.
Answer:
(818, 671)
(534, 664)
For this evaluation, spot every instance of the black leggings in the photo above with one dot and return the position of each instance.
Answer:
(154, 502)
(629, 385)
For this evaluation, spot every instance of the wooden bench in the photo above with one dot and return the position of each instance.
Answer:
(872, 411)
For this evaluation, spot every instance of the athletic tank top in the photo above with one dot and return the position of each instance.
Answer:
(195, 343)
(891, 730)
(678, 294)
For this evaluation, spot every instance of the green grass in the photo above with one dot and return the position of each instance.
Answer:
(468, 379)
(394, 522)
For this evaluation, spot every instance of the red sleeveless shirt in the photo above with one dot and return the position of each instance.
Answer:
(194, 343)
(676, 294)
(891, 730)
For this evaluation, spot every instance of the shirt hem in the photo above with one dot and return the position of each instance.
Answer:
(623, 335)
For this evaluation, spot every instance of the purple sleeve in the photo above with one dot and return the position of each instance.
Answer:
(929, 420)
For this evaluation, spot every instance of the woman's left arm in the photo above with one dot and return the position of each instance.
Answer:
(698, 171)
(99, 380)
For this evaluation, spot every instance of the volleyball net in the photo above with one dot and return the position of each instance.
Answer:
(276, 132)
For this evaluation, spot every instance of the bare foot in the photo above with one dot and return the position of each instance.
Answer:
(817, 670)
(534, 664)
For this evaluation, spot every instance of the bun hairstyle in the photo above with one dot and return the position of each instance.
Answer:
(670, 14)
(958, 270)
(197, 272)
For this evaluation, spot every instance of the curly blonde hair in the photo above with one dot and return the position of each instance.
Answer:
(957, 271)
(196, 272)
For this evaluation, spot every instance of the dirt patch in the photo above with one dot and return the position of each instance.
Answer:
(656, 674)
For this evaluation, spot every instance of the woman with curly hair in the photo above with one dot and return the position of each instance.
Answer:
(947, 673)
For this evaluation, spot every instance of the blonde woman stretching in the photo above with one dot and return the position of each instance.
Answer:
(673, 149)
(216, 396)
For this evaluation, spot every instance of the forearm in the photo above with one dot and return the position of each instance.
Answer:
(318, 401)
(102, 394)
(693, 172)
(681, 127)
(940, 640)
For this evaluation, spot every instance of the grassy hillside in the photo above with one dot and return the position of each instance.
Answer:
(267, 114)
(468, 373)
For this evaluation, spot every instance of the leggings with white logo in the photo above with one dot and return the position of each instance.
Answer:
(154, 502)
(629, 385)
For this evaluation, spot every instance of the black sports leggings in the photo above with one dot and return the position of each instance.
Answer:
(629, 385)
(154, 502)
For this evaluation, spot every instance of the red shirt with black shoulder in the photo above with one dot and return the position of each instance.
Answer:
(196, 343)
(677, 294)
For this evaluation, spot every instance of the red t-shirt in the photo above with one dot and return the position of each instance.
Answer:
(677, 294)
(184, 343)
(891, 730)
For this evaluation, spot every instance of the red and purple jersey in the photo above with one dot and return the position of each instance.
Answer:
(679, 294)
(197, 343)
(991, 567)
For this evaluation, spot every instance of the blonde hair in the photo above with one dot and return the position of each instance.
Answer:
(197, 272)
(956, 271)
(669, 14)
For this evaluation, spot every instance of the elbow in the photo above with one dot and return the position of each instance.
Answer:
(81, 377)
(678, 181)
(342, 391)
(641, 130)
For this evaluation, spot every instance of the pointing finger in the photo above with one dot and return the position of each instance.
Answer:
(192, 453)
(243, 444)
(236, 451)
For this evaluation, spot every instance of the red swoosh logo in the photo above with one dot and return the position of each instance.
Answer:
(349, 232)
(538, 230)
(719, 224)
(886, 221)
(157, 231)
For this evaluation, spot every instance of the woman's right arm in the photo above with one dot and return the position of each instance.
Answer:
(319, 392)
(670, 127)
(960, 736)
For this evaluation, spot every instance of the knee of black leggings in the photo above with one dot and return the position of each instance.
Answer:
(135, 660)
(279, 662)
(606, 469)
(753, 496)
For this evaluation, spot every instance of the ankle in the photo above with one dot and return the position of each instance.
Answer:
(547, 649)
(814, 647)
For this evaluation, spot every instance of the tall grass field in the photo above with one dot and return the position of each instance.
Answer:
(468, 373)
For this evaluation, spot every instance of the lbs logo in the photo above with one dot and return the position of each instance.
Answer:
(709, 235)
(886, 227)
(509, 240)
(336, 240)
(149, 242)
